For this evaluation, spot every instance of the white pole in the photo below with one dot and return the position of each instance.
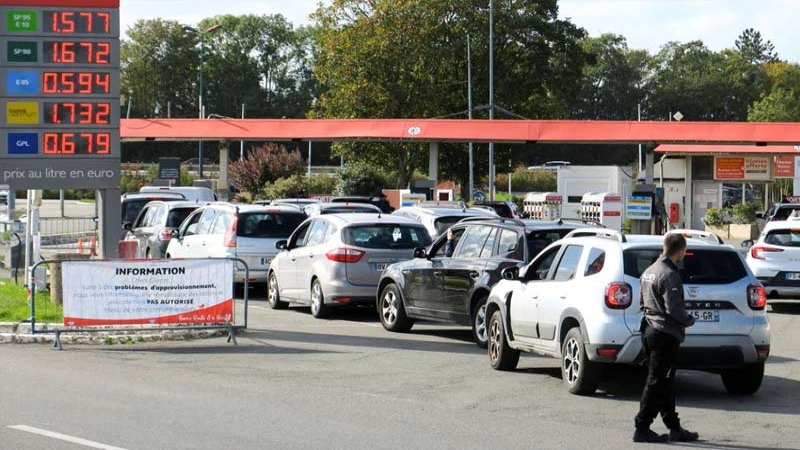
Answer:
(509, 179)
(28, 237)
(309, 159)
(241, 143)
(491, 97)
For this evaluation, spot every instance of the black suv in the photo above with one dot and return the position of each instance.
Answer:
(454, 288)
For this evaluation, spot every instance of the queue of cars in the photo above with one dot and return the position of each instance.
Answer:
(565, 289)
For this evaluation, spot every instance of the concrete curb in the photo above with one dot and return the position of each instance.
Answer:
(20, 333)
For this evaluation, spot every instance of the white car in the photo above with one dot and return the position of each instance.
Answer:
(226, 230)
(775, 259)
(437, 217)
(578, 300)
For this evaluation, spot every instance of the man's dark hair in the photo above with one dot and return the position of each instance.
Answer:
(673, 244)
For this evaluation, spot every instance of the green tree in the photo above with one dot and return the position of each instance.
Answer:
(754, 49)
(406, 58)
(779, 106)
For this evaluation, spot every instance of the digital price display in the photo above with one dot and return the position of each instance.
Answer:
(71, 83)
(77, 113)
(71, 22)
(71, 143)
(59, 92)
(77, 52)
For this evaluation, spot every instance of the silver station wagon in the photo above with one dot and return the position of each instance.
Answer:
(337, 259)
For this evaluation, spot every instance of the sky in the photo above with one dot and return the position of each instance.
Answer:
(646, 24)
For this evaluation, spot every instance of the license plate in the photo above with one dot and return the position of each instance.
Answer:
(380, 266)
(793, 276)
(265, 261)
(705, 315)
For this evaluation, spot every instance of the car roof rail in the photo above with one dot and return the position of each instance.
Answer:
(597, 232)
(441, 204)
(595, 223)
(493, 219)
(697, 234)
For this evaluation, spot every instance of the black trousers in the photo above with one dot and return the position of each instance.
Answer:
(658, 396)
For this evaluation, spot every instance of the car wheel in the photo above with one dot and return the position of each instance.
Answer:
(501, 355)
(273, 293)
(479, 330)
(580, 375)
(745, 380)
(318, 307)
(391, 310)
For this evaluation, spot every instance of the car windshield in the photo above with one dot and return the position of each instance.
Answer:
(443, 223)
(132, 208)
(700, 266)
(539, 239)
(388, 236)
(176, 216)
(783, 238)
(265, 224)
(783, 212)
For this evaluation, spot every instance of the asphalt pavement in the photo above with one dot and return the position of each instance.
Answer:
(295, 382)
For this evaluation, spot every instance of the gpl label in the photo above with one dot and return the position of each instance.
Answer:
(23, 144)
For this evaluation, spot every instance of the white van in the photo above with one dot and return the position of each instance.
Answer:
(192, 193)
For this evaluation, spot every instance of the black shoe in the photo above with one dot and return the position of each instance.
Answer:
(681, 435)
(648, 435)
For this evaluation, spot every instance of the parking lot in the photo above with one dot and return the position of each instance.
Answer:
(298, 382)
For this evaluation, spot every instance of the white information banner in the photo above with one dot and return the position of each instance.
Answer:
(148, 292)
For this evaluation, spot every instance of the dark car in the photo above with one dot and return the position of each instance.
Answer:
(454, 289)
(132, 204)
(508, 210)
(380, 202)
(153, 228)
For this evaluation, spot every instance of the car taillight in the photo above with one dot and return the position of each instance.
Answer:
(165, 235)
(619, 295)
(344, 255)
(230, 234)
(758, 251)
(756, 296)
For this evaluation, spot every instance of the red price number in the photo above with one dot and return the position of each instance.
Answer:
(76, 82)
(77, 113)
(89, 22)
(77, 52)
(77, 143)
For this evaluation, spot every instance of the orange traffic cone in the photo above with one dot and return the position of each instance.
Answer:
(80, 245)
(92, 246)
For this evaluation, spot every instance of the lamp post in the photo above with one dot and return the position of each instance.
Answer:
(200, 106)
(491, 98)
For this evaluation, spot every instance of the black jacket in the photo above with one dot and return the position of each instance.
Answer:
(661, 298)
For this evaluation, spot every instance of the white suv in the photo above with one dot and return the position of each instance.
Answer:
(775, 259)
(578, 300)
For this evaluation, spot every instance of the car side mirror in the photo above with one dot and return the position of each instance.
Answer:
(420, 253)
(759, 215)
(127, 226)
(510, 273)
(748, 243)
(175, 234)
(281, 245)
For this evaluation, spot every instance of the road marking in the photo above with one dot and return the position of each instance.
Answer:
(64, 437)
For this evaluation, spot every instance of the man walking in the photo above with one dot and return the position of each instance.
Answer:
(663, 329)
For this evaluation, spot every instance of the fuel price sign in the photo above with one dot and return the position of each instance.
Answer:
(59, 93)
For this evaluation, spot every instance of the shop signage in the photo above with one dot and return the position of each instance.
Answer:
(755, 168)
(784, 167)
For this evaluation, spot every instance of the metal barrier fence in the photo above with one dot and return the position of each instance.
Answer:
(76, 233)
(231, 327)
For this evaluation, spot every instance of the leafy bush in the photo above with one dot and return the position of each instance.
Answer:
(300, 186)
(524, 180)
(715, 217)
(743, 213)
(359, 179)
(264, 165)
